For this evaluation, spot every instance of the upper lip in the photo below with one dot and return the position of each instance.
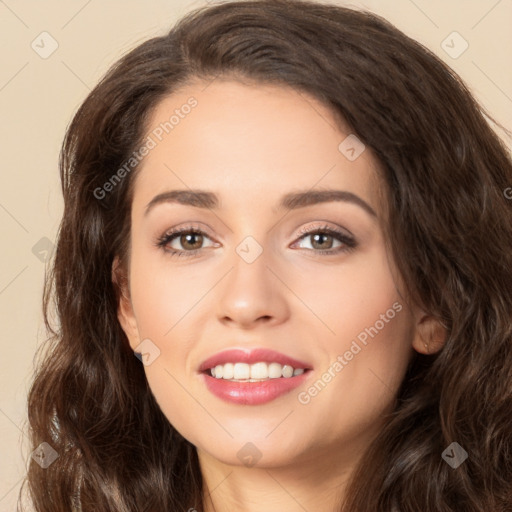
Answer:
(250, 357)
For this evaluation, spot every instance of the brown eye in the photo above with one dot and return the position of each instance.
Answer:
(191, 240)
(319, 241)
(183, 241)
(323, 240)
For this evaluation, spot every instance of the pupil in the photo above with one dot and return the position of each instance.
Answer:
(189, 236)
(319, 235)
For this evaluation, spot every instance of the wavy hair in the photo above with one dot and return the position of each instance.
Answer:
(449, 227)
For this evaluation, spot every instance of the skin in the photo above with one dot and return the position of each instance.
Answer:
(251, 144)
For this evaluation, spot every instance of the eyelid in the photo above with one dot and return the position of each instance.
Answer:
(324, 226)
(186, 228)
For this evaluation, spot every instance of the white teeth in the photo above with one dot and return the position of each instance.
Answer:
(275, 370)
(254, 372)
(241, 371)
(259, 371)
(219, 371)
(227, 372)
(287, 371)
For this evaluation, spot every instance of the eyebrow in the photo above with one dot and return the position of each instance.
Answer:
(291, 201)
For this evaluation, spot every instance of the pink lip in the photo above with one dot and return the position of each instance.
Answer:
(250, 357)
(252, 393)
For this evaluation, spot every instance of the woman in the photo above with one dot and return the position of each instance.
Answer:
(294, 216)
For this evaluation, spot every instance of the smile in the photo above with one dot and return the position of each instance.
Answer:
(252, 377)
(254, 372)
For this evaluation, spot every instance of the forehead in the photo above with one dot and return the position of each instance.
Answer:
(251, 142)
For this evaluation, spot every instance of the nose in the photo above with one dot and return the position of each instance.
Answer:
(252, 294)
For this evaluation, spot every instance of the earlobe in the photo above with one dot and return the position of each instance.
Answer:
(430, 335)
(125, 313)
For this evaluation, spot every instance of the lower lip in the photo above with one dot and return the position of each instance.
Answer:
(253, 393)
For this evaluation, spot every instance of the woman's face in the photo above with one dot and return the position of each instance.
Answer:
(256, 276)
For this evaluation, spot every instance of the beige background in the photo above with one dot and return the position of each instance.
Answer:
(39, 96)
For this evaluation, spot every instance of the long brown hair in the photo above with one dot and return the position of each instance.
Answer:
(449, 229)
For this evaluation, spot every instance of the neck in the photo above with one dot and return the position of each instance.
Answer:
(315, 482)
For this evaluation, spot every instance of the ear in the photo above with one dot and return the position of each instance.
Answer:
(125, 312)
(430, 335)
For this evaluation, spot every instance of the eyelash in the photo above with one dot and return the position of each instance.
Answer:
(349, 242)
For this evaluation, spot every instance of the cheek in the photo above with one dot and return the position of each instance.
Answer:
(358, 385)
(163, 294)
(369, 344)
(169, 387)
(350, 297)
(161, 302)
